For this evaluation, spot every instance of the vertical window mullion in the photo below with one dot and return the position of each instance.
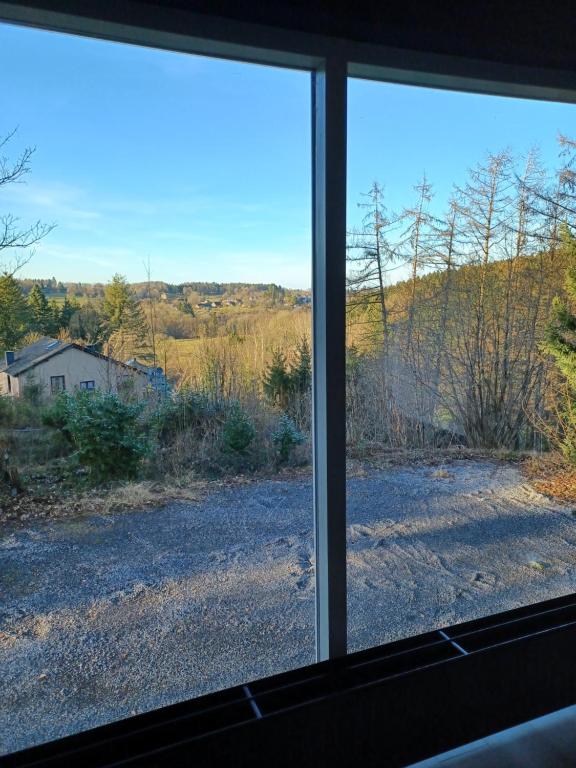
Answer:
(329, 84)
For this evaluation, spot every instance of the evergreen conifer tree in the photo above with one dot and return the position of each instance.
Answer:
(560, 343)
(301, 371)
(67, 312)
(185, 306)
(125, 321)
(14, 313)
(276, 382)
(42, 318)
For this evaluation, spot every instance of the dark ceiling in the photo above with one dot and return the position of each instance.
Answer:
(516, 32)
(513, 32)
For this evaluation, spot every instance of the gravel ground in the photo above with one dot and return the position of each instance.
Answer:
(105, 616)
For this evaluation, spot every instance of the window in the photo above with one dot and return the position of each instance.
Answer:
(455, 257)
(57, 384)
(400, 400)
(206, 351)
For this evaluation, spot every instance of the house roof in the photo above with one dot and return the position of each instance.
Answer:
(34, 353)
(43, 349)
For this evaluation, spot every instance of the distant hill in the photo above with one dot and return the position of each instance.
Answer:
(52, 287)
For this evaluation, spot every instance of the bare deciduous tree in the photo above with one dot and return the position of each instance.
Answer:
(13, 235)
(370, 258)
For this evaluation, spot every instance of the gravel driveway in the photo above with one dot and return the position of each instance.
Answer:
(101, 617)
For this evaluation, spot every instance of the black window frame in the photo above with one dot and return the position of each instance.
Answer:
(330, 61)
(55, 390)
(85, 388)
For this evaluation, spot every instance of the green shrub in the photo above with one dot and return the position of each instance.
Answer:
(286, 437)
(58, 412)
(107, 433)
(186, 410)
(286, 386)
(238, 432)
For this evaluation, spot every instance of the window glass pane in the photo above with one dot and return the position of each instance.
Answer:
(460, 359)
(57, 383)
(156, 527)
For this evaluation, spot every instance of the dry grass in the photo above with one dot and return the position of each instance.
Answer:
(442, 474)
(384, 458)
(145, 494)
(52, 503)
(551, 475)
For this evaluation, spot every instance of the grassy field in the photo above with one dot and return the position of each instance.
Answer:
(59, 298)
(241, 348)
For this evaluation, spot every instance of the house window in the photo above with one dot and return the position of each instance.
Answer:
(90, 385)
(57, 384)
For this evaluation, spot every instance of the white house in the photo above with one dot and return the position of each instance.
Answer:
(57, 366)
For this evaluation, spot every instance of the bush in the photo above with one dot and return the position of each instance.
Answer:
(289, 386)
(286, 437)
(58, 412)
(238, 432)
(107, 433)
(186, 410)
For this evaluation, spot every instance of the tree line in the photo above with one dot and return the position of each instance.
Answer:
(457, 345)
(117, 322)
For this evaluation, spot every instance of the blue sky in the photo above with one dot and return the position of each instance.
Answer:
(203, 166)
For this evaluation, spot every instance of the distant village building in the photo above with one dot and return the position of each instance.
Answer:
(61, 366)
(302, 301)
(209, 304)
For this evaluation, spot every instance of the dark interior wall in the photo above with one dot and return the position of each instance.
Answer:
(521, 32)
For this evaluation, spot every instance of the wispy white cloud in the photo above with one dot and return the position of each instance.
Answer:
(72, 205)
(211, 238)
(111, 258)
(53, 200)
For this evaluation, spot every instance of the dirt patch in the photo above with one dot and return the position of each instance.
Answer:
(551, 475)
(56, 496)
(57, 504)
